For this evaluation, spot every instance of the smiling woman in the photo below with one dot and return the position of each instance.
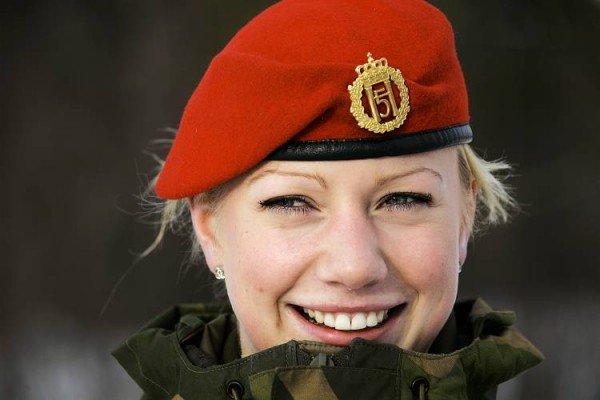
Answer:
(338, 217)
(385, 239)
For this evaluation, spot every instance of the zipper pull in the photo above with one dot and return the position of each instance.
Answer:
(322, 360)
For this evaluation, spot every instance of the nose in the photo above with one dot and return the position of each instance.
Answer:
(351, 255)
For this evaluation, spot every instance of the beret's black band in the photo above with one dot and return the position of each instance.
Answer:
(352, 149)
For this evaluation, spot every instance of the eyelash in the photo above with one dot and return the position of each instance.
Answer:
(407, 201)
(277, 204)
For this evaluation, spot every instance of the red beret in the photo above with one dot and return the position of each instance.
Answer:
(298, 83)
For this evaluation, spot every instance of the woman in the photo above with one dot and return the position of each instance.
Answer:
(325, 164)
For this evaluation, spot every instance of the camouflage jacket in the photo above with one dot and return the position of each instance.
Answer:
(192, 353)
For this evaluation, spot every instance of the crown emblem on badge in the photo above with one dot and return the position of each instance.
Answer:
(381, 89)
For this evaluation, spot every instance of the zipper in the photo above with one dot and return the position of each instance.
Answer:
(322, 360)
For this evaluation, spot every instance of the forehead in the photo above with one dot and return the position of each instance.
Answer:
(442, 162)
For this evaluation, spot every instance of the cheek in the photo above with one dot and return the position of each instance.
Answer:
(263, 264)
(426, 260)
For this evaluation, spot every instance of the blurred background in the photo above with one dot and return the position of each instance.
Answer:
(85, 86)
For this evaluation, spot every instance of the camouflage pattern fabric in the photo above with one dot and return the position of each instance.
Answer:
(191, 353)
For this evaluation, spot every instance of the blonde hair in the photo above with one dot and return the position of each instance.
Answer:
(494, 201)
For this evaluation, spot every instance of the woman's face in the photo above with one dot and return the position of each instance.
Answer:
(334, 250)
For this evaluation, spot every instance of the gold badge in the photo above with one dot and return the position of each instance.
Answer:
(375, 80)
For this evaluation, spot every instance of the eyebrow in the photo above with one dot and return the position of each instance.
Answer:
(323, 183)
(387, 179)
(314, 177)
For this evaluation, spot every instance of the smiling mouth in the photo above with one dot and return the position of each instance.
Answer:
(342, 321)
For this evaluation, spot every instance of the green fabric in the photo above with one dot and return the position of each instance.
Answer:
(477, 350)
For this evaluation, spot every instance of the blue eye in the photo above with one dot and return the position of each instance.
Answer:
(287, 204)
(405, 200)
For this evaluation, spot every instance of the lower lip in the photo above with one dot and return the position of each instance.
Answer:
(381, 333)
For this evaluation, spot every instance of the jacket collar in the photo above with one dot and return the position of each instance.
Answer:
(192, 351)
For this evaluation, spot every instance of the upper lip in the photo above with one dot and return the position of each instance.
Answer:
(336, 308)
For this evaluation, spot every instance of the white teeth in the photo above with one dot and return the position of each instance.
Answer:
(319, 316)
(329, 320)
(372, 319)
(346, 321)
(342, 322)
(359, 321)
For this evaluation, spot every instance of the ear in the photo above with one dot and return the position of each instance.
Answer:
(468, 221)
(203, 220)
